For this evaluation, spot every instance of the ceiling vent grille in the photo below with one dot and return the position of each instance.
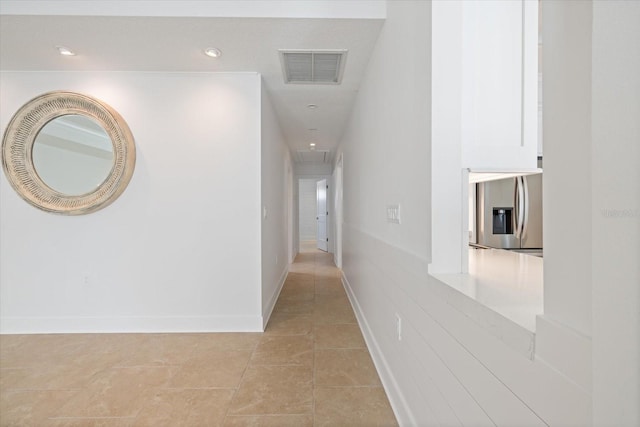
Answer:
(313, 66)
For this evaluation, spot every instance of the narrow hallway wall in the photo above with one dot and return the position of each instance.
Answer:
(275, 166)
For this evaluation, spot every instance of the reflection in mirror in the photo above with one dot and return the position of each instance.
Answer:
(73, 154)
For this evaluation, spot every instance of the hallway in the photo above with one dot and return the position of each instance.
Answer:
(310, 367)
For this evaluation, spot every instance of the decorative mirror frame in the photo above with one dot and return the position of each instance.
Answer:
(17, 150)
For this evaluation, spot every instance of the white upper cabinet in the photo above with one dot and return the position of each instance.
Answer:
(499, 85)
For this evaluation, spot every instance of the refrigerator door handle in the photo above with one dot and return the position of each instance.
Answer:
(525, 207)
(519, 206)
(516, 205)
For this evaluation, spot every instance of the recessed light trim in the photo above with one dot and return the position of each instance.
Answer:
(65, 51)
(312, 106)
(213, 52)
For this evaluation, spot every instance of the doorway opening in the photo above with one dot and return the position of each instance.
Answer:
(313, 214)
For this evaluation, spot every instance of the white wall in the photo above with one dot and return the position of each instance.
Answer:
(446, 369)
(567, 163)
(446, 141)
(563, 333)
(307, 208)
(591, 75)
(275, 171)
(180, 249)
(386, 148)
(615, 212)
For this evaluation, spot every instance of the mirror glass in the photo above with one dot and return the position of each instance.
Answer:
(73, 154)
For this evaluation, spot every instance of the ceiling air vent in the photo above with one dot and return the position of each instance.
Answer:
(313, 66)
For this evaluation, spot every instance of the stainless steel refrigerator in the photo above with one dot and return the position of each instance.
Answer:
(509, 213)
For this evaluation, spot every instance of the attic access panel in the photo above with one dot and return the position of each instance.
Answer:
(313, 66)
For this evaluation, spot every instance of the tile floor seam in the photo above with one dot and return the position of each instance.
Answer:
(41, 389)
(199, 388)
(341, 348)
(350, 386)
(92, 418)
(284, 366)
(242, 377)
(269, 415)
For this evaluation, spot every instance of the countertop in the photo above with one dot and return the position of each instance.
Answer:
(502, 291)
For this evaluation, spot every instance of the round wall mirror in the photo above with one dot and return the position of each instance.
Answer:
(73, 154)
(68, 153)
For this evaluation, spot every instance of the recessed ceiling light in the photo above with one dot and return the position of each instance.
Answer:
(312, 129)
(312, 144)
(65, 51)
(213, 52)
(312, 106)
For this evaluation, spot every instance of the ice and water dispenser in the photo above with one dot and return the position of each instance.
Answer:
(502, 220)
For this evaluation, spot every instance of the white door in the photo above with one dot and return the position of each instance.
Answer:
(321, 217)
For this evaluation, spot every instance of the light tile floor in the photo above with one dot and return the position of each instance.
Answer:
(309, 368)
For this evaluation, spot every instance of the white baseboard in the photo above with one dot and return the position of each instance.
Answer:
(129, 324)
(396, 398)
(268, 309)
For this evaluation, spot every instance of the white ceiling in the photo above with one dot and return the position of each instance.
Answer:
(161, 43)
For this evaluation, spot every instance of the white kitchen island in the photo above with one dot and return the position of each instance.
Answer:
(503, 292)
